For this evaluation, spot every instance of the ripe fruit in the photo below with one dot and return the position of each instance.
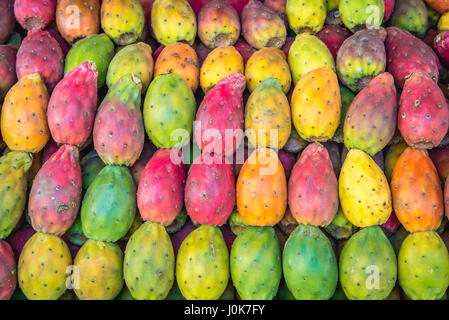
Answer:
(357, 14)
(34, 14)
(306, 16)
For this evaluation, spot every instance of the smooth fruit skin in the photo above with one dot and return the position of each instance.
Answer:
(316, 105)
(8, 271)
(34, 14)
(370, 121)
(77, 19)
(169, 111)
(306, 16)
(73, 104)
(8, 75)
(313, 187)
(347, 96)
(416, 190)
(149, 265)
(423, 116)
(423, 263)
(210, 190)
(440, 158)
(23, 120)
(109, 206)
(262, 189)
(43, 266)
(364, 192)
(392, 155)
(100, 267)
(410, 15)
(368, 266)
(202, 264)
(359, 14)
(309, 264)
(91, 165)
(7, 20)
(256, 251)
(160, 195)
(181, 26)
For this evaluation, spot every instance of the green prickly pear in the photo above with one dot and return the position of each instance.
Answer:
(306, 15)
(91, 165)
(410, 15)
(359, 14)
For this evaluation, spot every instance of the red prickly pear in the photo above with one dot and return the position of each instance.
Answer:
(197, 5)
(244, 49)
(288, 43)
(423, 112)
(406, 54)
(219, 120)
(7, 20)
(391, 226)
(18, 239)
(389, 7)
(157, 52)
(333, 36)
(201, 51)
(62, 43)
(40, 53)
(287, 160)
(160, 193)
(50, 148)
(7, 69)
(8, 270)
(313, 187)
(148, 151)
(56, 192)
(34, 14)
(238, 5)
(441, 46)
(440, 157)
(210, 190)
(72, 105)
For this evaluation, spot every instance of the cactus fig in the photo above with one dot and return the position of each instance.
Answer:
(8, 75)
(410, 15)
(34, 14)
(333, 36)
(8, 271)
(357, 14)
(306, 16)
(7, 20)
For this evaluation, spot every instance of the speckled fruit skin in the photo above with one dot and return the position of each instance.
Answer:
(313, 187)
(440, 44)
(359, 14)
(180, 27)
(262, 189)
(416, 190)
(440, 6)
(370, 121)
(87, 21)
(148, 151)
(256, 251)
(56, 192)
(8, 271)
(73, 104)
(8, 75)
(306, 16)
(309, 264)
(392, 154)
(23, 120)
(210, 190)
(91, 165)
(202, 264)
(149, 265)
(100, 270)
(34, 14)
(423, 263)
(7, 20)
(42, 267)
(410, 15)
(333, 36)
(368, 266)
(364, 192)
(160, 194)
(423, 116)
(262, 26)
(340, 228)
(316, 105)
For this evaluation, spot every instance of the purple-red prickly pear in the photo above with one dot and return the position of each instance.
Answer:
(389, 7)
(8, 279)
(244, 49)
(333, 36)
(391, 226)
(335, 155)
(148, 151)
(50, 148)
(7, 69)
(34, 14)
(440, 157)
(7, 20)
(18, 239)
(178, 237)
(287, 160)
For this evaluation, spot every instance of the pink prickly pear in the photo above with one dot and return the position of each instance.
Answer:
(8, 270)
(210, 190)
(148, 151)
(7, 20)
(72, 105)
(34, 14)
(441, 46)
(7, 69)
(333, 36)
(56, 192)
(423, 112)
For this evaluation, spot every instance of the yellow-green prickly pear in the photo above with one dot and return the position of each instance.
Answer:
(306, 15)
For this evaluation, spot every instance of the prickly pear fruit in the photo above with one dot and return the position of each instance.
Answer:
(23, 120)
(86, 22)
(34, 14)
(42, 267)
(120, 109)
(423, 112)
(313, 187)
(262, 189)
(306, 16)
(333, 36)
(244, 49)
(256, 250)
(423, 265)
(416, 190)
(392, 154)
(364, 192)
(367, 257)
(97, 48)
(219, 120)
(361, 58)
(8, 75)
(7, 20)
(407, 54)
(391, 226)
(308, 53)
(440, 44)
(262, 26)
(8, 271)
(56, 192)
(100, 267)
(40, 53)
(75, 233)
(91, 165)
(347, 96)
(316, 105)
(410, 15)
(309, 264)
(441, 6)
(179, 58)
(218, 24)
(202, 264)
(265, 63)
(133, 59)
(357, 15)
(160, 195)
(210, 190)
(173, 21)
(72, 105)
(109, 206)
(169, 111)
(220, 63)
(149, 264)
(370, 122)
(340, 228)
(148, 151)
